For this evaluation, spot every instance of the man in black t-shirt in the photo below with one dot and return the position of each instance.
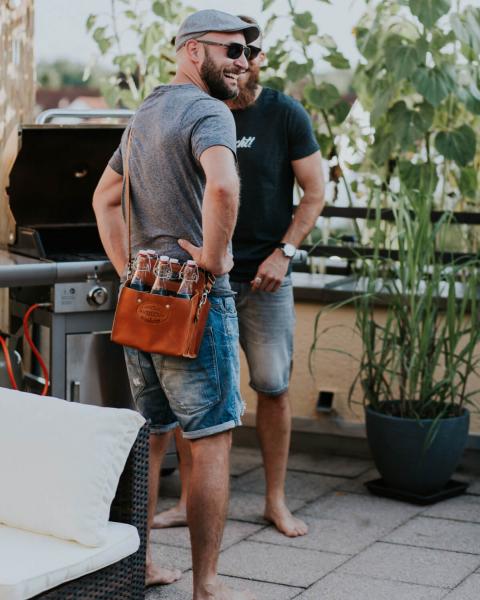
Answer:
(275, 146)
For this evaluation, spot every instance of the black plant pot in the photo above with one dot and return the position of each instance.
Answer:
(404, 459)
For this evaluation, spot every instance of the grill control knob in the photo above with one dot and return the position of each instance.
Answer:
(97, 296)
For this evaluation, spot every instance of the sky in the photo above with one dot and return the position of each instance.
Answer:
(60, 24)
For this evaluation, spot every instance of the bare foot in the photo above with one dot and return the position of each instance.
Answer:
(160, 576)
(219, 591)
(173, 517)
(284, 521)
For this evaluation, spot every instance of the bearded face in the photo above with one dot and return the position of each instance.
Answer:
(222, 82)
(247, 84)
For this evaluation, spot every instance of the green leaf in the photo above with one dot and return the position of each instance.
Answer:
(429, 11)
(92, 19)
(325, 144)
(422, 177)
(303, 20)
(401, 58)
(367, 43)
(326, 41)
(470, 97)
(467, 27)
(468, 182)
(130, 14)
(383, 146)
(159, 9)
(434, 84)
(304, 36)
(427, 113)
(407, 125)
(276, 83)
(458, 145)
(266, 4)
(337, 60)
(297, 71)
(340, 111)
(384, 92)
(322, 97)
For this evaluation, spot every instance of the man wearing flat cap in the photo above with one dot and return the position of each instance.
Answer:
(184, 200)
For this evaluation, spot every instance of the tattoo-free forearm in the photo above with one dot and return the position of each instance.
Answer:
(113, 234)
(219, 215)
(306, 215)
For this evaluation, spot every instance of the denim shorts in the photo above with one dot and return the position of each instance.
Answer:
(202, 395)
(267, 322)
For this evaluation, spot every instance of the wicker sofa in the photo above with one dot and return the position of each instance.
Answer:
(124, 580)
(73, 506)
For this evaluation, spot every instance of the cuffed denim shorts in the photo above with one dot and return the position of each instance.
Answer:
(202, 395)
(267, 322)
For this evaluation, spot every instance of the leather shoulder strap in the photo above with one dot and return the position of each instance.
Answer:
(128, 213)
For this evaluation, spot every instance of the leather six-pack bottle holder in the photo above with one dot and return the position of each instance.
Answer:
(163, 324)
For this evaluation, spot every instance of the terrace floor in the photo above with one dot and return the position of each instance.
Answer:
(359, 547)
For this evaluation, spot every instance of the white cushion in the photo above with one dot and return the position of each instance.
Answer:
(60, 463)
(32, 563)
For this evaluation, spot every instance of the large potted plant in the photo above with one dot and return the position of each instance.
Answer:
(420, 352)
(416, 313)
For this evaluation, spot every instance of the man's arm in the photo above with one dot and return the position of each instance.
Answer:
(309, 175)
(107, 204)
(219, 211)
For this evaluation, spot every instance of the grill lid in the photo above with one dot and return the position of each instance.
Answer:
(56, 172)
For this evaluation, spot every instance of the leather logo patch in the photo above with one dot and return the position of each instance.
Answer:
(153, 313)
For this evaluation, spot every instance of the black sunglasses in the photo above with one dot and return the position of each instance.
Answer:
(234, 49)
(254, 52)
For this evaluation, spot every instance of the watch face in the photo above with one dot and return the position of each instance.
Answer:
(289, 250)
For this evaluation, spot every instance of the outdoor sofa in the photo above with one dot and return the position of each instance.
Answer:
(61, 464)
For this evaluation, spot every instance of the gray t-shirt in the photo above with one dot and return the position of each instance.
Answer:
(170, 131)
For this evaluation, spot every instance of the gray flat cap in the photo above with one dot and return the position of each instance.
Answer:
(204, 21)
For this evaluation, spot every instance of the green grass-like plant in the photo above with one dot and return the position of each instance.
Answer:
(418, 352)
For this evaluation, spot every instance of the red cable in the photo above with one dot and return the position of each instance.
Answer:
(8, 363)
(34, 349)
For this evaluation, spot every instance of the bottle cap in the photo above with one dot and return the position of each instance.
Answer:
(174, 260)
(191, 263)
(164, 258)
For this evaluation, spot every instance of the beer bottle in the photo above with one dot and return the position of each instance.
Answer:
(162, 272)
(189, 275)
(142, 268)
(153, 257)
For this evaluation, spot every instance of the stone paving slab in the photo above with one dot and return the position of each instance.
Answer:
(357, 485)
(338, 466)
(250, 507)
(462, 508)
(328, 535)
(442, 534)
(234, 532)
(362, 509)
(172, 557)
(408, 564)
(354, 587)
(277, 564)
(467, 590)
(181, 590)
(243, 460)
(303, 486)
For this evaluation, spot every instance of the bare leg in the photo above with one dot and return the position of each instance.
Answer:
(273, 428)
(156, 575)
(207, 505)
(177, 515)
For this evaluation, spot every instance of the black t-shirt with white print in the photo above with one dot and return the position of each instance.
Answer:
(270, 134)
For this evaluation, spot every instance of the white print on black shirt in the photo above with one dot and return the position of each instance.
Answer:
(245, 142)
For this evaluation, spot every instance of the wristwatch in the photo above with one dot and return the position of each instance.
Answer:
(287, 249)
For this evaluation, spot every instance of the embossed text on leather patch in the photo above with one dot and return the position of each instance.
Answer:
(153, 313)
